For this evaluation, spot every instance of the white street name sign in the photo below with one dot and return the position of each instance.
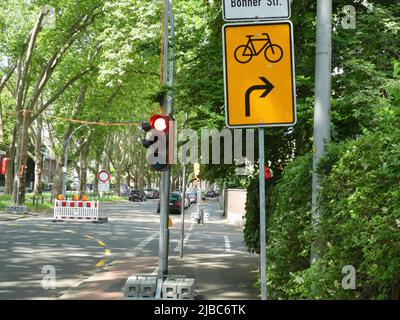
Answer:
(104, 186)
(238, 10)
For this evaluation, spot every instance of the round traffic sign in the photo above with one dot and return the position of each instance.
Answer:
(103, 176)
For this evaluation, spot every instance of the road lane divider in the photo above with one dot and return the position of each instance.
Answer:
(145, 242)
(178, 246)
(69, 231)
(227, 244)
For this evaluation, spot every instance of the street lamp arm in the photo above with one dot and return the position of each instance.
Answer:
(66, 143)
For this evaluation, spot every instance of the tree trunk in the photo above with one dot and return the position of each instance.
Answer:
(38, 157)
(118, 176)
(10, 168)
(83, 172)
(20, 162)
(83, 159)
(58, 177)
(96, 180)
(128, 178)
(106, 152)
(1, 124)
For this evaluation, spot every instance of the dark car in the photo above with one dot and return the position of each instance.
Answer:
(137, 195)
(175, 203)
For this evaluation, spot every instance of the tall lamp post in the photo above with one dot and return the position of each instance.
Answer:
(65, 167)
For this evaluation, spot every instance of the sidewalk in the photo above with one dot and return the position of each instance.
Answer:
(226, 276)
(12, 217)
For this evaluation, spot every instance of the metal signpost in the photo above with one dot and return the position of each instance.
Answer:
(260, 88)
(183, 208)
(167, 106)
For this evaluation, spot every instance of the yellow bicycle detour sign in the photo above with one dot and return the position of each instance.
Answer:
(259, 74)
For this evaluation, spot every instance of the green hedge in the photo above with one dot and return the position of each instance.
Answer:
(359, 226)
(288, 240)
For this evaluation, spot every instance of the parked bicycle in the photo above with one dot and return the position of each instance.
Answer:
(272, 52)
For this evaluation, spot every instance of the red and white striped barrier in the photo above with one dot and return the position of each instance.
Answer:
(76, 210)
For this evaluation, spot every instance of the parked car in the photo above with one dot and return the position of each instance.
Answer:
(125, 190)
(175, 203)
(151, 193)
(192, 196)
(137, 195)
(187, 202)
(211, 194)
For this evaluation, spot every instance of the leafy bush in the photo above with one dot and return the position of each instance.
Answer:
(288, 241)
(252, 224)
(361, 218)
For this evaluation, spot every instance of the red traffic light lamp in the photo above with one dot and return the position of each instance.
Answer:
(159, 122)
(267, 173)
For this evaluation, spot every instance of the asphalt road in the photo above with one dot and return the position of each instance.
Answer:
(76, 251)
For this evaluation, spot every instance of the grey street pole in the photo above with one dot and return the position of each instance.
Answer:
(183, 208)
(65, 167)
(322, 132)
(263, 252)
(167, 80)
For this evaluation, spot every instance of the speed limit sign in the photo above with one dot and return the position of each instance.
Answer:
(103, 176)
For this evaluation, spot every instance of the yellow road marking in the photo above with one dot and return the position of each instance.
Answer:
(101, 243)
(107, 252)
(100, 263)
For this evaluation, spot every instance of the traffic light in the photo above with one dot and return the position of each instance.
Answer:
(156, 141)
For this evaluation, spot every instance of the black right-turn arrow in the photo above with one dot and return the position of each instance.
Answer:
(267, 87)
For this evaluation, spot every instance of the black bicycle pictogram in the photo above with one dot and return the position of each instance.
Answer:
(245, 52)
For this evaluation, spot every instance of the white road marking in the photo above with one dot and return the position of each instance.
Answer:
(227, 244)
(155, 271)
(22, 242)
(3, 250)
(145, 242)
(23, 251)
(191, 227)
(178, 246)
(14, 266)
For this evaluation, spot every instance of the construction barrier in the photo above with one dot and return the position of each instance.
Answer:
(76, 210)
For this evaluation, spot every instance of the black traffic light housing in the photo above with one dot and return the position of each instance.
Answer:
(158, 123)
